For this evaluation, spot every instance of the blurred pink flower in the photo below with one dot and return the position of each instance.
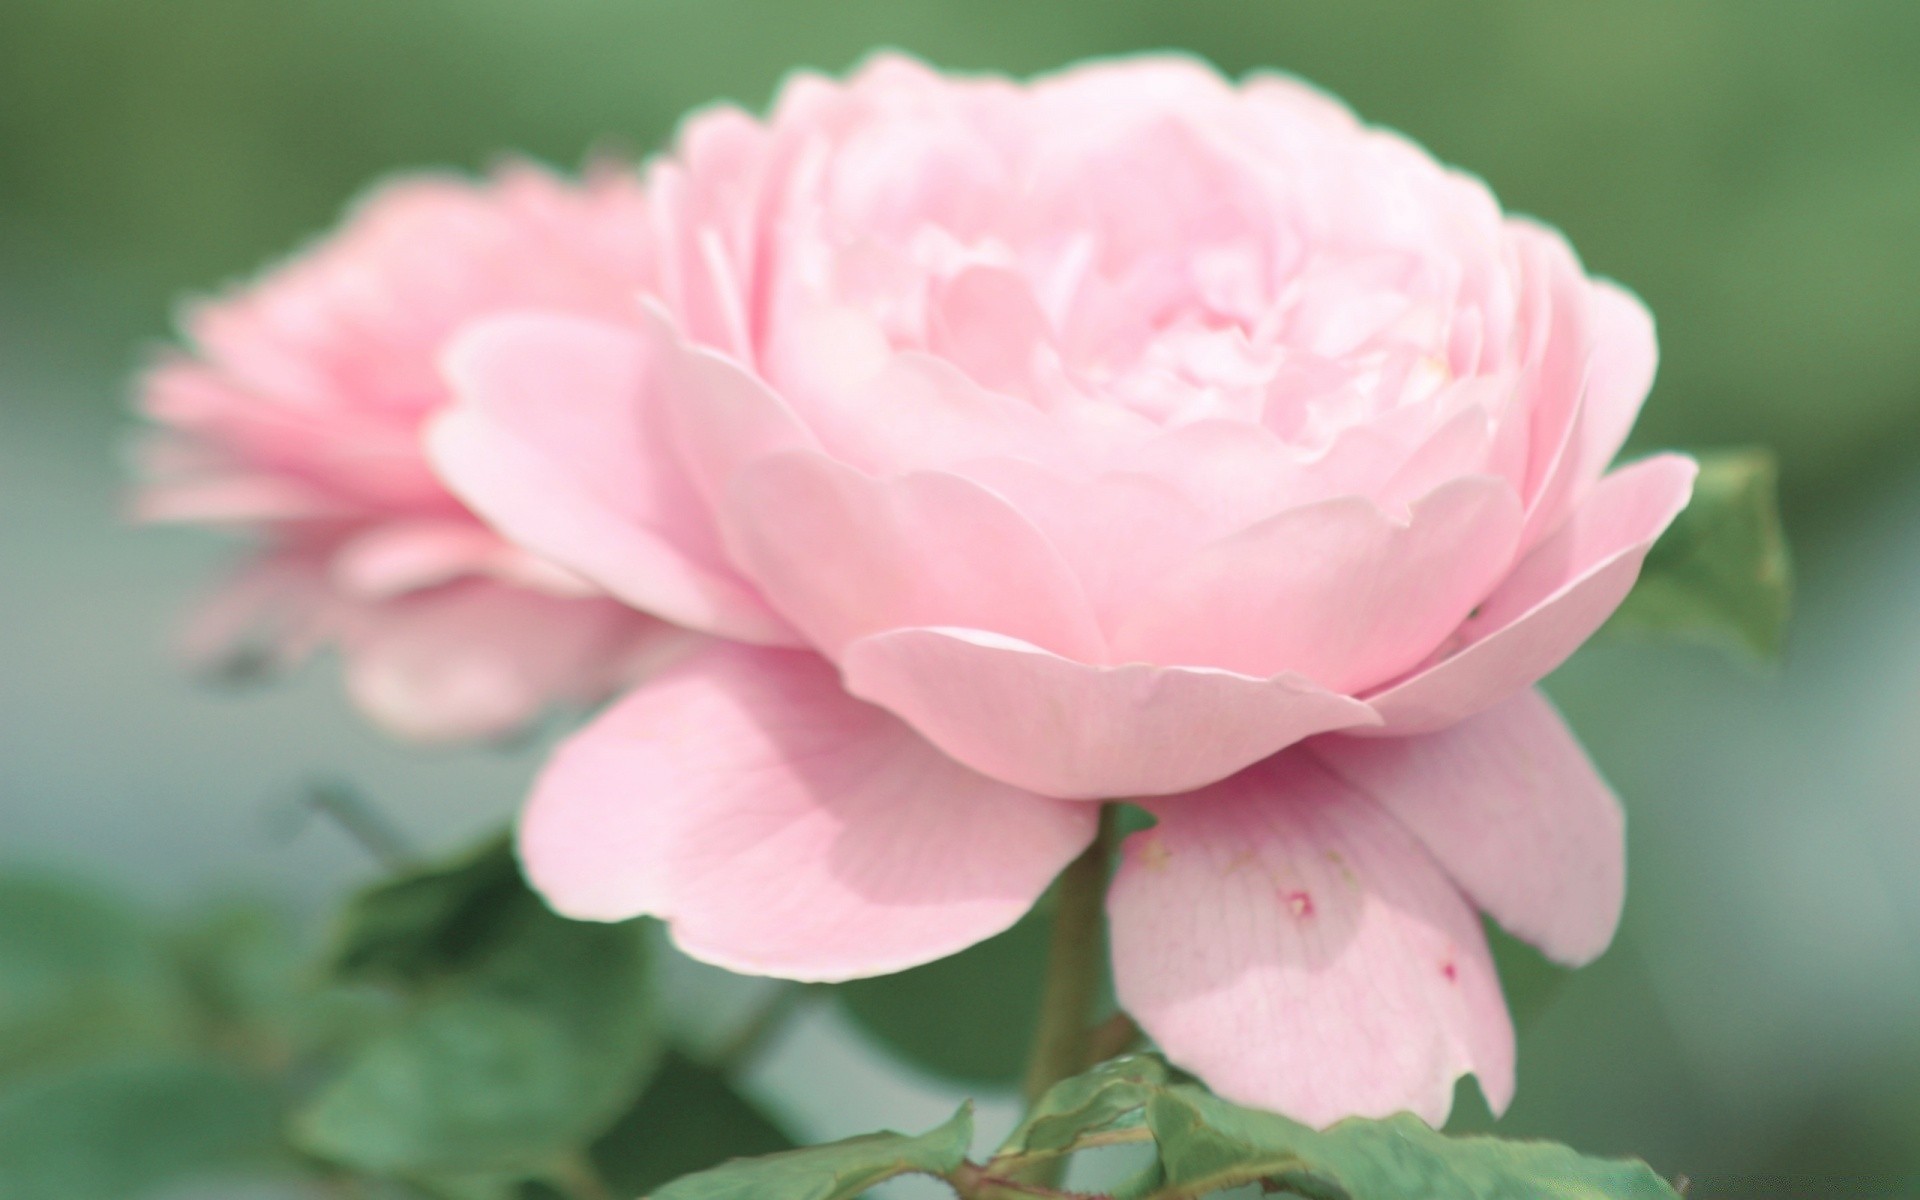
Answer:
(1129, 434)
(296, 413)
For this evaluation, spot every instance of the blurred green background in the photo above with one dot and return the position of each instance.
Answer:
(1750, 167)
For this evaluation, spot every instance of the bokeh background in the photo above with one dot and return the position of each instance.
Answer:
(1751, 168)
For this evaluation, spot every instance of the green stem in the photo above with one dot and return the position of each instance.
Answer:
(1061, 1044)
(754, 1035)
(363, 823)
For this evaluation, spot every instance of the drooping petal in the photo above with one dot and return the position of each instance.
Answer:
(782, 827)
(1554, 600)
(1338, 591)
(401, 556)
(269, 615)
(553, 442)
(477, 659)
(843, 555)
(1058, 727)
(1508, 803)
(1284, 939)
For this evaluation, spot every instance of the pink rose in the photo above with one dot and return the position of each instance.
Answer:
(298, 415)
(1129, 434)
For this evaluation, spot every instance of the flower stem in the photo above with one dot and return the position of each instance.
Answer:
(1061, 1044)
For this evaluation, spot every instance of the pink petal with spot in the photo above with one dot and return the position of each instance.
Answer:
(781, 827)
(1554, 600)
(1284, 939)
(1058, 727)
(1508, 803)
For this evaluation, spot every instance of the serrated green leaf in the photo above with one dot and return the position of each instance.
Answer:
(969, 1017)
(1103, 1099)
(1722, 571)
(119, 1128)
(836, 1171)
(1208, 1145)
(523, 1036)
(689, 1118)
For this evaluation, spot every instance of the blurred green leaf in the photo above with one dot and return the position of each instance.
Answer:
(524, 1035)
(1101, 1100)
(120, 1128)
(689, 1118)
(431, 921)
(968, 1017)
(1208, 1145)
(80, 972)
(836, 1171)
(1722, 572)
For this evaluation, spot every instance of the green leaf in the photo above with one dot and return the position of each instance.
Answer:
(688, 1118)
(1105, 1099)
(836, 1171)
(79, 972)
(1722, 572)
(430, 922)
(119, 1128)
(1208, 1145)
(523, 1035)
(969, 1017)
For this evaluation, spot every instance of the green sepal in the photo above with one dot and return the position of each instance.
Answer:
(1722, 571)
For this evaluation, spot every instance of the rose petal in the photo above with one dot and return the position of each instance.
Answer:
(400, 556)
(1337, 591)
(843, 555)
(1063, 728)
(1284, 939)
(477, 659)
(1509, 805)
(1625, 357)
(1554, 600)
(554, 443)
(781, 827)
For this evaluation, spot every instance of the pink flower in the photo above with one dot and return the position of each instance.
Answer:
(1128, 434)
(298, 415)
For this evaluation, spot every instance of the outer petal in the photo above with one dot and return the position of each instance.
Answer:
(1284, 939)
(269, 615)
(1336, 591)
(401, 556)
(477, 659)
(553, 442)
(844, 555)
(1554, 600)
(1625, 357)
(1063, 728)
(783, 828)
(1509, 804)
